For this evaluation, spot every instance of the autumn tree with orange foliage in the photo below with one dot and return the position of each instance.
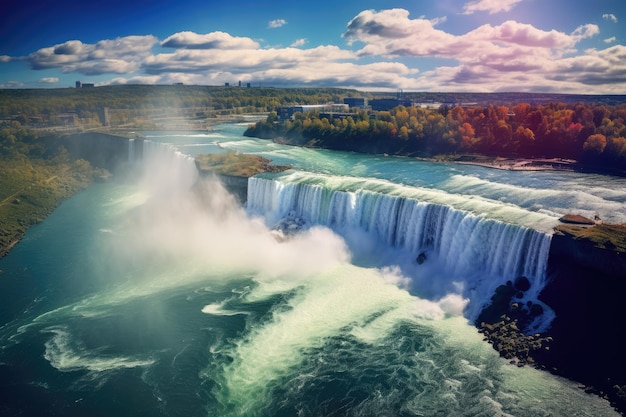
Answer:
(592, 134)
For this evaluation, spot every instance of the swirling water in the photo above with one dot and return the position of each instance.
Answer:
(137, 297)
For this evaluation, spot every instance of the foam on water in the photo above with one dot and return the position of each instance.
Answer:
(66, 354)
(345, 299)
(588, 201)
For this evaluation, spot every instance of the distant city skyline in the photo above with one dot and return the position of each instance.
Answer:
(448, 46)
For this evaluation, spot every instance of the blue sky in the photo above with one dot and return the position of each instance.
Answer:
(371, 45)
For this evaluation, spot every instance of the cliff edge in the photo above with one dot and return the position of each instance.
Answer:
(586, 285)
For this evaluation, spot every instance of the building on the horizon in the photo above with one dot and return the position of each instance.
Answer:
(385, 104)
(80, 84)
(358, 102)
(287, 112)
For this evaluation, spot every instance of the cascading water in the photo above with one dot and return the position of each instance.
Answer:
(131, 150)
(477, 252)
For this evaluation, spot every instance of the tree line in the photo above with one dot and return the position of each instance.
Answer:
(590, 133)
(41, 107)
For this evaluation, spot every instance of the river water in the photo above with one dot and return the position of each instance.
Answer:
(137, 297)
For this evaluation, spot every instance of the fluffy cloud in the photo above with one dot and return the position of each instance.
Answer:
(213, 40)
(273, 24)
(610, 17)
(120, 55)
(509, 56)
(298, 43)
(242, 60)
(393, 33)
(49, 80)
(489, 6)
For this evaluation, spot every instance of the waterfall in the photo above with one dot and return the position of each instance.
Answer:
(131, 150)
(488, 252)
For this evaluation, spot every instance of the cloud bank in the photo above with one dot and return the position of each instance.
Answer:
(382, 50)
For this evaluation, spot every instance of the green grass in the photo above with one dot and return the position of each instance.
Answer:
(607, 236)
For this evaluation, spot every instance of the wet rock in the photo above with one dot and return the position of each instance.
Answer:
(288, 227)
(521, 284)
(421, 258)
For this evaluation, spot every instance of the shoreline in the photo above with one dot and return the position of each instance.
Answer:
(485, 161)
(525, 164)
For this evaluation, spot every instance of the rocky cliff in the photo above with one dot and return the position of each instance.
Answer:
(586, 286)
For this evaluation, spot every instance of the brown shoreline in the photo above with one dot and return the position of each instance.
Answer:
(525, 164)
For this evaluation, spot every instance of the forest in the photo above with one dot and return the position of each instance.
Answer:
(139, 106)
(590, 133)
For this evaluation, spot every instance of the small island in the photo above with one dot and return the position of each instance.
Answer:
(234, 168)
(235, 164)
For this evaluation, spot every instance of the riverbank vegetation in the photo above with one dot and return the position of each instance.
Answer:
(593, 135)
(36, 175)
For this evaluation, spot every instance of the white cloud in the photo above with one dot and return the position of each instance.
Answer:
(610, 40)
(276, 23)
(585, 31)
(610, 17)
(509, 56)
(213, 40)
(120, 55)
(391, 33)
(489, 6)
(242, 60)
(49, 80)
(298, 43)
(12, 84)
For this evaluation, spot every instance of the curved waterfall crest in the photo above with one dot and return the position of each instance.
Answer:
(488, 251)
